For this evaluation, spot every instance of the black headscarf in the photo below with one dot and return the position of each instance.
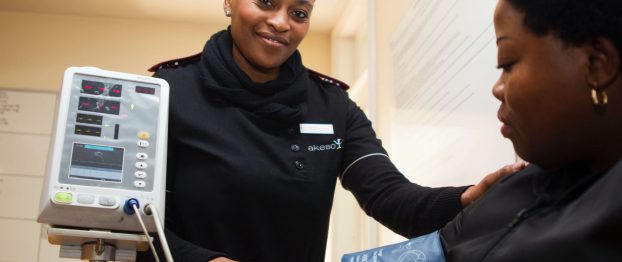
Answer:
(280, 99)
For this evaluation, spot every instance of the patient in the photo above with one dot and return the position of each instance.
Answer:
(561, 106)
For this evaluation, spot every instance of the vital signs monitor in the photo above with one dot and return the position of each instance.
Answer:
(108, 152)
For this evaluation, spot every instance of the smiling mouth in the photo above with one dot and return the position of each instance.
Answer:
(274, 39)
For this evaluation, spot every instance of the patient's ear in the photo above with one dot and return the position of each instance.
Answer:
(604, 61)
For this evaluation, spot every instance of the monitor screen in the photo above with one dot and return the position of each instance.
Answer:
(96, 162)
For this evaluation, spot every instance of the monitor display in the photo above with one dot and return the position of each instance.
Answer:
(99, 105)
(101, 88)
(96, 162)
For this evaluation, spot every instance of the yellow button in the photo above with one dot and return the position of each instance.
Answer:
(63, 197)
(144, 135)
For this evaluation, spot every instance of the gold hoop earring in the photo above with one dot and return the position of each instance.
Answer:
(599, 99)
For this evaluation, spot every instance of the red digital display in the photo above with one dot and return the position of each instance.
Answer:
(99, 105)
(145, 90)
(93, 87)
(101, 88)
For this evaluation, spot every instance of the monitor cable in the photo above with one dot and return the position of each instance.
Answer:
(132, 207)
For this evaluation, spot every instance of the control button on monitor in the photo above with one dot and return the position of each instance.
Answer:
(140, 174)
(86, 199)
(63, 197)
(144, 135)
(141, 165)
(143, 143)
(139, 183)
(107, 201)
(142, 156)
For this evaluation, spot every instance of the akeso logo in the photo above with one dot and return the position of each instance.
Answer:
(335, 145)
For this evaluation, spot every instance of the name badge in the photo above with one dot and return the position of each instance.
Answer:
(317, 129)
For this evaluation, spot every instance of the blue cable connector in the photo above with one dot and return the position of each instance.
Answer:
(128, 209)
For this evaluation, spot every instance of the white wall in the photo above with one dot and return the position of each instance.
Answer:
(437, 116)
(36, 48)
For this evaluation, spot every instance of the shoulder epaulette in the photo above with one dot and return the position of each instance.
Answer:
(328, 79)
(175, 62)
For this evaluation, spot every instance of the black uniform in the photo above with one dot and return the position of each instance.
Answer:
(248, 181)
(536, 215)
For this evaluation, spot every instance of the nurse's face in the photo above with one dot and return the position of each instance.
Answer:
(545, 99)
(267, 32)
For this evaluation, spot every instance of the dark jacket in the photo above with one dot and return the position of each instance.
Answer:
(535, 215)
(246, 182)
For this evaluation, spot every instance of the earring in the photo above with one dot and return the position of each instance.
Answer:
(228, 13)
(599, 98)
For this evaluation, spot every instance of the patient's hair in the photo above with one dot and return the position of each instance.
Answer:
(574, 21)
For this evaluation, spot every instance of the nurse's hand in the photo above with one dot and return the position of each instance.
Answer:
(476, 191)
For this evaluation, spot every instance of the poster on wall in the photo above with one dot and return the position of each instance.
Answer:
(26, 122)
(444, 129)
(28, 112)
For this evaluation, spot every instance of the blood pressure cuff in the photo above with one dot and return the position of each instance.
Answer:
(424, 248)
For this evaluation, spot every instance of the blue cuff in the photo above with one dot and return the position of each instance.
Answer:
(424, 248)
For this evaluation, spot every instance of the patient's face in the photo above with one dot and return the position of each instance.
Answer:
(545, 99)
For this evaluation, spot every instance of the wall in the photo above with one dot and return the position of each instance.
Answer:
(436, 114)
(36, 49)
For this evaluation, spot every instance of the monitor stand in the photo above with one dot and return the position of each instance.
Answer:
(97, 245)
